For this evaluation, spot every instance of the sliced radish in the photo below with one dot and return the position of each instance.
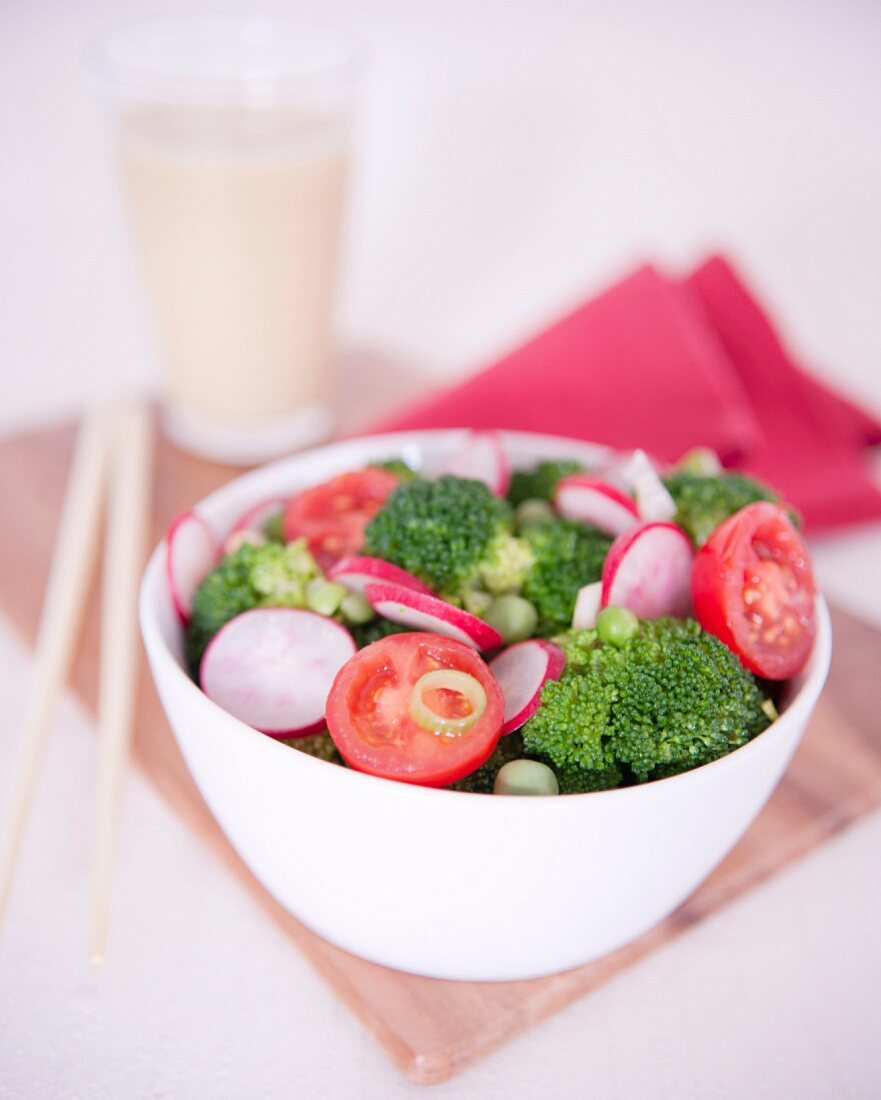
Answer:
(522, 670)
(256, 517)
(481, 458)
(652, 498)
(613, 474)
(587, 606)
(190, 555)
(357, 572)
(648, 570)
(273, 667)
(596, 502)
(429, 613)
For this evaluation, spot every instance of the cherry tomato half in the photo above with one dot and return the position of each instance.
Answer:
(384, 700)
(332, 516)
(753, 588)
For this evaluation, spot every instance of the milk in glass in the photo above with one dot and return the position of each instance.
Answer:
(237, 214)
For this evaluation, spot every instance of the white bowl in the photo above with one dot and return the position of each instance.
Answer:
(442, 883)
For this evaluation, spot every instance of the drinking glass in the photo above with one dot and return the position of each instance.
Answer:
(232, 134)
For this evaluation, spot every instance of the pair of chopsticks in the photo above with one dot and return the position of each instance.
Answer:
(112, 464)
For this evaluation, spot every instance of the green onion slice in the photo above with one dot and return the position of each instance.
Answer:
(447, 679)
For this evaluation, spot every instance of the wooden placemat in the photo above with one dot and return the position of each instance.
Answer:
(431, 1029)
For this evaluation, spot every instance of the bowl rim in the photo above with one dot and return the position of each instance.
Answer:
(801, 702)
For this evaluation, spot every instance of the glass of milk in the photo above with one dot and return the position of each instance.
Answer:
(232, 135)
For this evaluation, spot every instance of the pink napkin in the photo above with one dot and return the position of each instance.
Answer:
(811, 441)
(666, 365)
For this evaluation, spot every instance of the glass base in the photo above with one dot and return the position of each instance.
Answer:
(246, 444)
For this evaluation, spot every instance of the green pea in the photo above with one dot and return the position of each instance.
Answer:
(533, 511)
(356, 608)
(525, 777)
(324, 596)
(476, 601)
(616, 625)
(513, 617)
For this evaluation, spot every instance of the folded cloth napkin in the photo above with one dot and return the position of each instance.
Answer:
(811, 441)
(668, 364)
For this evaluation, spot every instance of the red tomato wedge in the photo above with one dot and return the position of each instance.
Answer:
(753, 587)
(332, 516)
(415, 707)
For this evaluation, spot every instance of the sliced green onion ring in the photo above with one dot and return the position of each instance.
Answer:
(447, 679)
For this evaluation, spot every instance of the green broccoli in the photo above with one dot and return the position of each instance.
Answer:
(396, 466)
(372, 631)
(704, 501)
(480, 781)
(253, 576)
(504, 566)
(457, 537)
(273, 529)
(317, 744)
(566, 555)
(539, 482)
(451, 533)
(671, 698)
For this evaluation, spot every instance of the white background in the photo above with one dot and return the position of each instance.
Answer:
(514, 157)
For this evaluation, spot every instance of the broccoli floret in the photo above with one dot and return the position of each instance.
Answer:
(504, 566)
(566, 556)
(451, 533)
(317, 744)
(510, 747)
(367, 633)
(253, 576)
(539, 482)
(274, 527)
(396, 466)
(670, 699)
(568, 733)
(703, 502)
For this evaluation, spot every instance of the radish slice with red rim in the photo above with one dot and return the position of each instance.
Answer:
(481, 458)
(256, 517)
(652, 497)
(588, 603)
(273, 667)
(648, 570)
(190, 555)
(428, 613)
(522, 670)
(596, 502)
(356, 573)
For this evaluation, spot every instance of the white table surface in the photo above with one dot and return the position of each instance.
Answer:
(514, 157)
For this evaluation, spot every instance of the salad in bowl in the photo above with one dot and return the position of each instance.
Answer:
(349, 643)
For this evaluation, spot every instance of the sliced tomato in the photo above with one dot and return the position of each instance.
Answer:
(370, 709)
(332, 516)
(753, 587)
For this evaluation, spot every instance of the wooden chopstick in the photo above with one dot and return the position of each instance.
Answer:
(128, 515)
(65, 601)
